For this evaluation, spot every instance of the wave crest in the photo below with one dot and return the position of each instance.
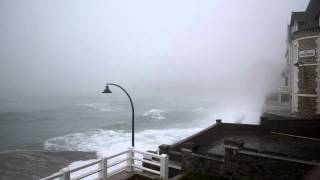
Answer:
(107, 142)
(156, 114)
(100, 107)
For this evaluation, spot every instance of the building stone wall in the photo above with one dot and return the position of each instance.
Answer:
(196, 163)
(249, 164)
(318, 71)
(304, 34)
(239, 165)
(308, 43)
(307, 106)
(307, 82)
(307, 79)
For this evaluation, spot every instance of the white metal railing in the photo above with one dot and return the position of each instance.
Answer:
(107, 166)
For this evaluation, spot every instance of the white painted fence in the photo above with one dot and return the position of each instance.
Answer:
(107, 168)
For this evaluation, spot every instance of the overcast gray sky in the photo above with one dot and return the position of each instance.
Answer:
(65, 47)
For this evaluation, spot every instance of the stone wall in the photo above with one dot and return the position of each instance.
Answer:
(307, 79)
(307, 82)
(240, 162)
(307, 106)
(173, 155)
(247, 164)
(196, 163)
(309, 43)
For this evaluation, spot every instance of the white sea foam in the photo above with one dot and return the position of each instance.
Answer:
(100, 107)
(107, 142)
(240, 116)
(155, 114)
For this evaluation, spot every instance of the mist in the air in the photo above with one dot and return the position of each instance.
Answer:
(231, 51)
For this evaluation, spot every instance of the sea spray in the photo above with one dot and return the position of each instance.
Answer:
(107, 142)
(100, 107)
(165, 125)
(155, 114)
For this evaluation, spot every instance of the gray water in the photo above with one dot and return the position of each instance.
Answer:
(36, 123)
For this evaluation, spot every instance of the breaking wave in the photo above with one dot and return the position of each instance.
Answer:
(100, 107)
(156, 114)
(107, 142)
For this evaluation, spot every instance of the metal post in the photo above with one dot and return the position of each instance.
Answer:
(132, 108)
(130, 159)
(103, 165)
(164, 164)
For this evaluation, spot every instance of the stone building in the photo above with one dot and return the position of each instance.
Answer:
(302, 73)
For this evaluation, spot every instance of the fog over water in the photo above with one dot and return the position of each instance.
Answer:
(213, 47)
(201, 52)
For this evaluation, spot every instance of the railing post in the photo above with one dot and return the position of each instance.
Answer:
(103, 165)
(130, 159)
(164, 162)
(66, 174)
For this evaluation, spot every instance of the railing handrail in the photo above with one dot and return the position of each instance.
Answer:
(85, 165)
(148, 154)
(118, 154)
(53, 176)
(162, 162)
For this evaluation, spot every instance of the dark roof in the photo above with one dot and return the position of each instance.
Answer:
(312, 14)
(296, 16)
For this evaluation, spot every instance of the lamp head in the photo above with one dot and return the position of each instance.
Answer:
(107, 90)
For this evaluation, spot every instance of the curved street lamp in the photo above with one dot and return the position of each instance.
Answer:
(107, 90)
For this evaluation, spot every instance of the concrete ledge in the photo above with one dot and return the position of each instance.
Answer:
(278, 157)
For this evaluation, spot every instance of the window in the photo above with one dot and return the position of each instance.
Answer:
(286, 80)
(295, 26)
(285, 98)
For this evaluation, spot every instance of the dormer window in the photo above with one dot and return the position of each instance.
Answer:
(295, 26)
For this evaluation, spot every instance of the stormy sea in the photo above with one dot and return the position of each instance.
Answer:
(103, 125)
